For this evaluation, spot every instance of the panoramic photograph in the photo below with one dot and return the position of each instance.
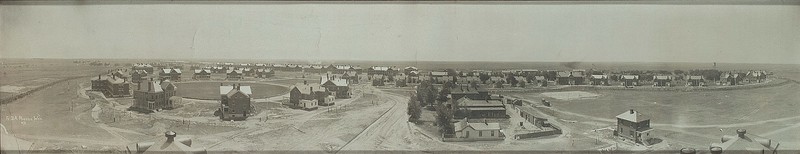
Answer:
(136, 77)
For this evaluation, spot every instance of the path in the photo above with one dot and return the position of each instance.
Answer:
(392, 131)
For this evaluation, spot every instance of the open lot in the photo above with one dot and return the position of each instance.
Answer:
(209, 90)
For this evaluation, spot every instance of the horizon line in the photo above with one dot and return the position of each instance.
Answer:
(322, 60)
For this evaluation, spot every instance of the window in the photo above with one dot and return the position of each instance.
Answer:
(467, 134)
(492, 133)
(480, 133)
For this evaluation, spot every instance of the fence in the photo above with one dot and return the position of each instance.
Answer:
(452, 138)
(21, 95)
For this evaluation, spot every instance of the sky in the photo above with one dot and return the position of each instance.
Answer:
(406, 32)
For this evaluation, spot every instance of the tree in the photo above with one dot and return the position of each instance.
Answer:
(442, 97)
(414, 109)
(444, 118)
(498, 84)
(484, 77)
(522, 84)
(512, 80)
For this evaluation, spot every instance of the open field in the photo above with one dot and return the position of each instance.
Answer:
(210, 90)
(375, 118)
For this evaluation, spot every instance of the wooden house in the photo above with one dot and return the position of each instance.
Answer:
(144, 67)
(662, 81)
(264, 73)
(138, 75)
(172, 74)
(200, 74)
(634, 126)
(564, 78)
(235, 102)
(350, 76)
(598, 80)
(478, 131)
(578, 77)
(385, 70)
(234, 74)
(248, 72)
(629, 80)
(408, 70)
(338, 87)
(306, 91)
(695, 80)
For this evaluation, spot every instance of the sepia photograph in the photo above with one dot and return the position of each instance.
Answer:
(574, 76)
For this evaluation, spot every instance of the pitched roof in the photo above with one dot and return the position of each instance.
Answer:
(197, 71)
(578, 74)
(234, 71)
(662, 77)
(633, 116)
(229, 91)
(746, 142)
(380, 68)
(460, 89)
(599, 76)
(306, 88)
(156, 86)
(562, 74)
(438, 73)
(476, 125)
(338, 81)
(170, 70)
(632, 77)
(111, 78)
(467, 102)
(695, 77)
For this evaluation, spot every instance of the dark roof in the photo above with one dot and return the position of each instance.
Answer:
(470, 103)
(306, 88)
(466, 89)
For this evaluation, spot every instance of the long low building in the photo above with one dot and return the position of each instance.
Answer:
(480, 108)
(111, 86)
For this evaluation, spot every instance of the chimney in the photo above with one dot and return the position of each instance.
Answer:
(170, 135)
(485, 122)
(98, 77)
(716, 150)
(688, 151)
(741, 132)
(631, 111)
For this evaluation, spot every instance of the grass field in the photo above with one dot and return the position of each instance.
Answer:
(210, 90)
(687, 108)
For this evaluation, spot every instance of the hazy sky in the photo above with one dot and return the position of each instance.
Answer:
(518, 32)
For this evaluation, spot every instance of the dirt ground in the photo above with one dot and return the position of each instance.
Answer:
(66, 117)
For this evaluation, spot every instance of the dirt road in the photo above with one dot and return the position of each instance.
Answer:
(392, 131)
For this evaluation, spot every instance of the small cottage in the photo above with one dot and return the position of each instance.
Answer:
(478, 131)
